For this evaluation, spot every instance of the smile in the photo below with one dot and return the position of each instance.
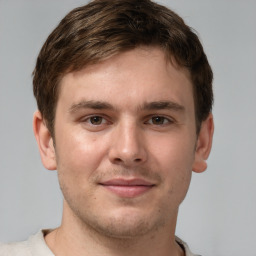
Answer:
(127, 188)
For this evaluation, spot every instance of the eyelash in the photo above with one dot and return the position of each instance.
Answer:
(89, 119)
(150, 120)
(165, 120)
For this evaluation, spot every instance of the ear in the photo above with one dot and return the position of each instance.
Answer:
(204, 145)
(44, 141)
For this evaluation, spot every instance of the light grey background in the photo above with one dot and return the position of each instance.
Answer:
(218, 217)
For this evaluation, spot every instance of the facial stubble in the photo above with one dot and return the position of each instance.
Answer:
(127, 226)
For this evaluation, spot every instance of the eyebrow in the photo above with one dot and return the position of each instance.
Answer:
(90, 104)
(158, 105)
(99, 105)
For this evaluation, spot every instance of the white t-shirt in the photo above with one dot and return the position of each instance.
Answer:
(36, 246)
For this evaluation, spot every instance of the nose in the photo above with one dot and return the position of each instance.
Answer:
(128, 145)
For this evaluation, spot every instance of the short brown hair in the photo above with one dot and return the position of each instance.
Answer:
(103, 28)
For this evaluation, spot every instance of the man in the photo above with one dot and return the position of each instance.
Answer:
(124, 94)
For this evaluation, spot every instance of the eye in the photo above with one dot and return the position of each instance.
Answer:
(159, 120)
(96, 120)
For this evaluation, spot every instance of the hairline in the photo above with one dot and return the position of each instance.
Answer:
(169, 57)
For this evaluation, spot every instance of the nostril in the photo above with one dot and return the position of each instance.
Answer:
(119, 160)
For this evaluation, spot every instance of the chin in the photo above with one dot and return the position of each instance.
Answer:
(128, 225)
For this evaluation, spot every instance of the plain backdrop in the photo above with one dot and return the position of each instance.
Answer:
(218, 217)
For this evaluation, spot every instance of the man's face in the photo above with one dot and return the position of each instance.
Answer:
(125, 139)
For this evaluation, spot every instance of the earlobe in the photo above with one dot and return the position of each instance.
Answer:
(44, 142)
(204, 145)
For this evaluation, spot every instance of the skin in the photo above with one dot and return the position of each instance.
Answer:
(129, 118)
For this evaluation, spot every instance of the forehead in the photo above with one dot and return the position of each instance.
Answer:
(136, 76)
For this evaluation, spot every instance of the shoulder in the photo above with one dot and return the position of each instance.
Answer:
(35, 245)
(13, 249)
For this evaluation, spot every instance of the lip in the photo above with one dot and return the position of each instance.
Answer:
(128, 188)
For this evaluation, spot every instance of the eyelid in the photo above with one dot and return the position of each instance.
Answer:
(169, 119)
(87, 118)
(107, 120)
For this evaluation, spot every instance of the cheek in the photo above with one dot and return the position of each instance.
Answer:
(173, 151)
(77, 160)
(174, 157)
(78, 154)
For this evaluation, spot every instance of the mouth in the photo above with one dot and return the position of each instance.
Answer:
(127, 188)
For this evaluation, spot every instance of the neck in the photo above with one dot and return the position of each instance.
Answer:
(75, 238)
